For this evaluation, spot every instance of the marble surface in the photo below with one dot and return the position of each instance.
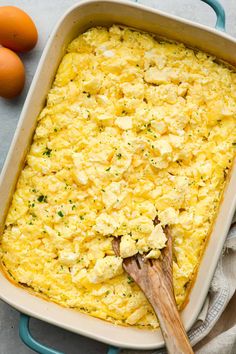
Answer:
(45, 14)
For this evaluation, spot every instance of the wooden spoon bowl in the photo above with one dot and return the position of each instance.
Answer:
(155, 278)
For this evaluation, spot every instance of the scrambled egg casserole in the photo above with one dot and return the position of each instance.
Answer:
(133, 129)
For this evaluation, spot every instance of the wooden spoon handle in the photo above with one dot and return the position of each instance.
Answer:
(163, 302)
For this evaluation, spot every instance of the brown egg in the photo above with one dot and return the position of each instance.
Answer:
(12, 73)
(17, 30)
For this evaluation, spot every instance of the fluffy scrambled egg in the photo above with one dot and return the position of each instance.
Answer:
(134, 128)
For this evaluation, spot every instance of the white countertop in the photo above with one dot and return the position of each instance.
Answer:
(45, 14)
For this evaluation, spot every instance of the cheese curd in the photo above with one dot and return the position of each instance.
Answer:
(134, 128)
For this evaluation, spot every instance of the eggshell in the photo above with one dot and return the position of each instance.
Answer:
(17, 30)
(12, 73)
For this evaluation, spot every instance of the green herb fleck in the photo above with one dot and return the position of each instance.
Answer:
(73, 207)
(60, 213)
(119, 156)
(81, 217)
(108, 169)
(47, 152)
(42, 199)
(87, 93)
(130, 280)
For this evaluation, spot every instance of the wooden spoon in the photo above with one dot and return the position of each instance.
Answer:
(155, 278)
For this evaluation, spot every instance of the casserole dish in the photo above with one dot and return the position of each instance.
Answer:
(76, 20)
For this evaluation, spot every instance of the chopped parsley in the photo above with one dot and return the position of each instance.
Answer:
(119, 156)
(47, 152)
(108, 169)
(60, 213)
(81, 217)
(42, 199)
(130, 280)
(87, 93)
(73, 207)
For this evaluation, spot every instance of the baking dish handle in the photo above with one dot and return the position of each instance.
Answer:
(113, 350)
(219, 11)
(32, 343)
(27, 338)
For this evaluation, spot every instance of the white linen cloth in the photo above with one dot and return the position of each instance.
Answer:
(215, 329)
